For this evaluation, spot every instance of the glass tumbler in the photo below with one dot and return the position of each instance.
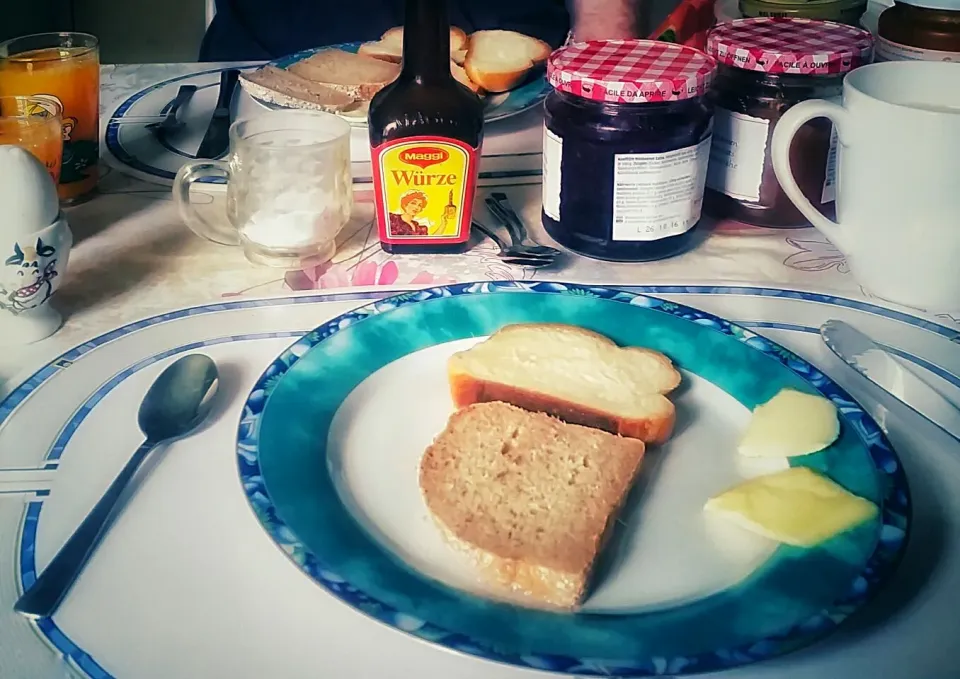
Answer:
(64, 67)
(33, 123)
(289, 187)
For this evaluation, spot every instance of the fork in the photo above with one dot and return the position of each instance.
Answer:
(507, 252)
(499, 206)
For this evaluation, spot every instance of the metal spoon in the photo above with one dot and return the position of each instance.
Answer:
(500, 207)
(506, 252)
(178, 401)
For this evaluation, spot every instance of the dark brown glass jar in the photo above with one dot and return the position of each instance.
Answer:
(767, 66)
(919, 30)
(741, 183)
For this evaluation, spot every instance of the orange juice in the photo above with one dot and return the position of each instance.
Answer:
(33, 123)
(64, 67)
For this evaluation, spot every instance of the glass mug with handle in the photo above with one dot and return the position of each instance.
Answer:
(289, 188)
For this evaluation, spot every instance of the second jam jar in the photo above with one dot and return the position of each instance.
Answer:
(625, 148)
(765, 67)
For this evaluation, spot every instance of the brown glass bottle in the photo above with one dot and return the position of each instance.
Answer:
(425, 136)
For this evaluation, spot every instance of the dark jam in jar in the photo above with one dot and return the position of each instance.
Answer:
(767, 66)
(626, 144)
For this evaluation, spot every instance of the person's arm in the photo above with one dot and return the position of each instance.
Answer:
(605, 19)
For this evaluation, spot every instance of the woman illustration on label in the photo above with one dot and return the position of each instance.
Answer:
(404, 223)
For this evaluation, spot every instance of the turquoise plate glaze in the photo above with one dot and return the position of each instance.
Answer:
(331, 436)
(496, 106)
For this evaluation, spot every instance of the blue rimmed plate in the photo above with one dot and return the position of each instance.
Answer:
(332, 434)
(496, 106)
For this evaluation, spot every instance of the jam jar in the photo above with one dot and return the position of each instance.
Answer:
(841, 11)
(626, 141)
(765, 67)
(919, 30)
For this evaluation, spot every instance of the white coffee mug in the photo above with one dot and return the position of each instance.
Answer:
(898, 179)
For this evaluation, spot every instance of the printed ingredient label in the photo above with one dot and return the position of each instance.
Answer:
(737, 155)
(552, 177)
(424, 188)
(658, 195)
(887, 50)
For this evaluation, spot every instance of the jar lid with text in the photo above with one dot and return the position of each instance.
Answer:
(782, 45)
(630, 71)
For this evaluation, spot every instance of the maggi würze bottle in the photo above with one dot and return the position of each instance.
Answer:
(425, 135)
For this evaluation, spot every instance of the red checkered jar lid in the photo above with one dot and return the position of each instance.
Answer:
(630, 71)
(784, 45)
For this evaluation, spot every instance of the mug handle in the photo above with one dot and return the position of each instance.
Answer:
(193, 172)
(786, 128)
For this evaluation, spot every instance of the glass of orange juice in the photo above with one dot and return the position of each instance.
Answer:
(65, 68)
(35, 124)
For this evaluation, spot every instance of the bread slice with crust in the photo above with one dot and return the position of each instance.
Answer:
(531, 499)
(394, 54)
(357, 75)
(460, 75)
(572, 373)
(390, 45)
(394, 36)
(499, 61)
(283, 88)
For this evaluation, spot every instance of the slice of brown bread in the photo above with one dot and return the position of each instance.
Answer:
(572, 373)
(530, 498)
(280, 87)
(358, 75)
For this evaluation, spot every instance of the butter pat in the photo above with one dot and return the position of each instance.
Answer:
(790, 424)
(796, 506)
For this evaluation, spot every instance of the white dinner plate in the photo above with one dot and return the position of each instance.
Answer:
(187, 576)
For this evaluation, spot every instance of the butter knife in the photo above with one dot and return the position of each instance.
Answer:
(880, 367)
(217, 139)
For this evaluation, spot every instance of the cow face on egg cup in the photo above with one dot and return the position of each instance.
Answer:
(31, 270)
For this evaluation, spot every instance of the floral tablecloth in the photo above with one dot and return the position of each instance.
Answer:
(133, 257)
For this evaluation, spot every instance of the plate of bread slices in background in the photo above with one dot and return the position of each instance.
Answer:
(505, 68)
(575, 479)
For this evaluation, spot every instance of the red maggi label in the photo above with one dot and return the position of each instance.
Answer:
(424, 189)
(424, 156)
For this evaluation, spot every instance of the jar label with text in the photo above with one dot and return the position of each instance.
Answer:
(424, 189)
(552, 158)
(658, 195)
(737, 155)
(887, 50)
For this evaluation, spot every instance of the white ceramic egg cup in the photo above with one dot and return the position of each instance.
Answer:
(31, 270)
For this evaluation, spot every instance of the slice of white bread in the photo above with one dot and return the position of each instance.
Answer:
(377, 51)
(458, 38)
(390, 45)
(500, 60)
(460, 75)
(530, 498)
(357, 75)
(394, 53)
(572, 373)
(382, 50)
(283, 88)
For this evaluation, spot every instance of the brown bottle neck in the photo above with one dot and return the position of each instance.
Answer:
(426, 42)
